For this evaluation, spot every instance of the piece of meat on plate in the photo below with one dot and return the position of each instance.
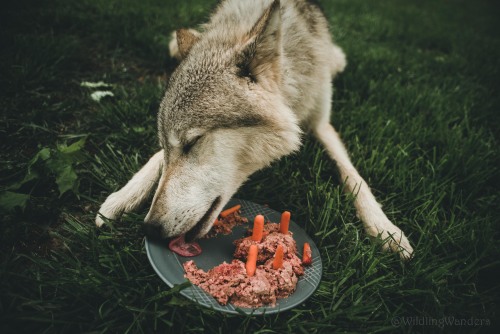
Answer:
(267, 247)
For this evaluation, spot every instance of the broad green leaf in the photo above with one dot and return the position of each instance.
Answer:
(66, 179)
(75, 147)
(10, 200)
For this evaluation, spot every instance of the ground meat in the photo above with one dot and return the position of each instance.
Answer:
(267, 247)
(255, 291)
(284, 278)
(229, 282)
(193, 274)
(220, 282)
(226, 225)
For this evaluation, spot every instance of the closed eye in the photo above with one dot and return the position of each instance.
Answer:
(187, 147)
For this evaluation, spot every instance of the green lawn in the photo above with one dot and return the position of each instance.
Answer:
(418, 107)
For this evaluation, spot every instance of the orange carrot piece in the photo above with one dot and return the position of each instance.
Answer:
(278, 258)
(284, 222)
(307, 254)
(217, 222)
(258, 228)
(227, 212)
(251, 264)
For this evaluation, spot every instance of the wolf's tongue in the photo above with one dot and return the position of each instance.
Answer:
(180, 246)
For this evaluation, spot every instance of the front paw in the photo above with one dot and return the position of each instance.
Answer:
(395, 240)
(392, 237)
(111, 209)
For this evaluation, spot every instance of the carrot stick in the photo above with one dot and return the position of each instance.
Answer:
(278, 258)
(284, 222)
(258, 228)
(227, 212)
(307, 254)
(251, 264)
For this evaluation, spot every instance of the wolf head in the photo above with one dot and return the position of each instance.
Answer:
(223, 117)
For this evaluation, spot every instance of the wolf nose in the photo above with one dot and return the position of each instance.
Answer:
(152, 230)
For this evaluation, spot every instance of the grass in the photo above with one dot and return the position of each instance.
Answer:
(417, 107)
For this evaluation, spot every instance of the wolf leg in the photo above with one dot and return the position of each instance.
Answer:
(369, 211)
(134, 193)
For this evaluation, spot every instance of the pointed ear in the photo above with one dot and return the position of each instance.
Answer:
(185, 41)
(261, 53)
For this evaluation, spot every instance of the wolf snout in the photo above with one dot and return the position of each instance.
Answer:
(152, 229)
(194, 221)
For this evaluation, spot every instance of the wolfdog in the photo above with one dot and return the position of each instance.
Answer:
(255, 75)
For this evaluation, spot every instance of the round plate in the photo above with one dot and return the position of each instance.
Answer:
(220, 248)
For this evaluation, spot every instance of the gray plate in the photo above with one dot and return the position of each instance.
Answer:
(168, 265)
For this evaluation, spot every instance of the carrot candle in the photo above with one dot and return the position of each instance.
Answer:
(284, 222)
(227, 212)
(278, 258)
(258, 228)
(307, 254)
(251, 264)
